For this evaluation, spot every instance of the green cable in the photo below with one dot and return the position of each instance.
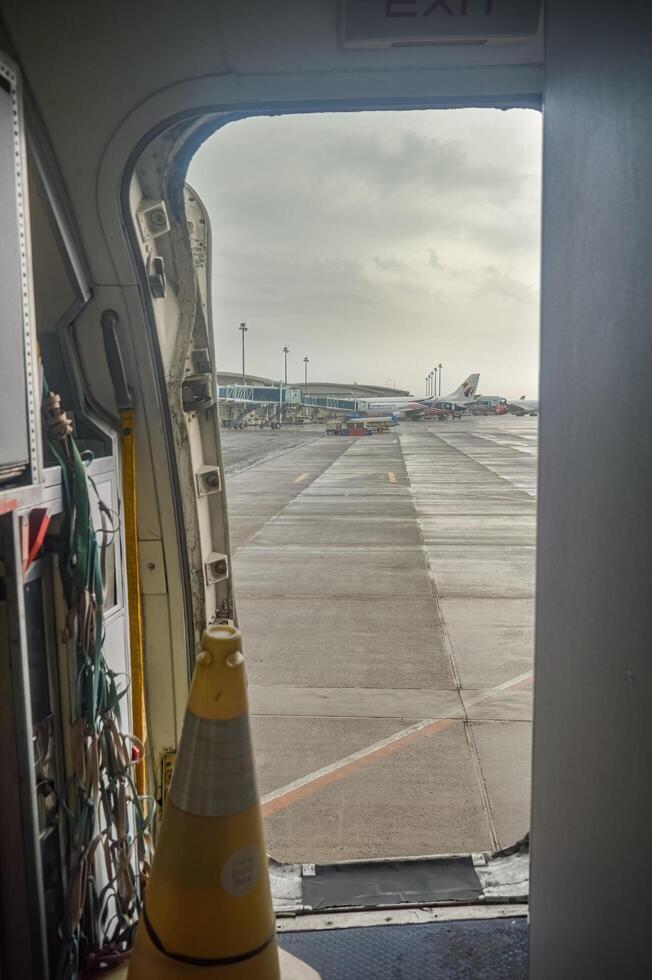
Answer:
(107, 918)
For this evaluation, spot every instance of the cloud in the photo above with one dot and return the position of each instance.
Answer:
(404, 236)
(492, 281)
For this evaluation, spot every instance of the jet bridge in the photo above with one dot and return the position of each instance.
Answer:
(253, 395)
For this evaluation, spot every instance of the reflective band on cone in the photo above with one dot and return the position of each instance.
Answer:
(208, 905)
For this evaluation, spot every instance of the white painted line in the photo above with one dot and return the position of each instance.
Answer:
(327, 773)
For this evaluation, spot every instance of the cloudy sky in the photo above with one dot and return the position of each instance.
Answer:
(378, 244)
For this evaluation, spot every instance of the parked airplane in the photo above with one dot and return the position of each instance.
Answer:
(499, 405)
(489, 405)
(524, 406)
(457, 401)
(462, 397)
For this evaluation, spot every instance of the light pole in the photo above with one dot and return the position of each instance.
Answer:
(286, 351)
(440, 367)
(427, 385)
(243, 327)
(434, 383)
(305, 378)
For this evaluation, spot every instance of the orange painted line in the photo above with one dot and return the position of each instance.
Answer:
(391, 477)
(302, 792)
(305, 786)
(300, 479)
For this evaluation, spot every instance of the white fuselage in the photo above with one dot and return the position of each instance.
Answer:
(388, 405)
(524, 406)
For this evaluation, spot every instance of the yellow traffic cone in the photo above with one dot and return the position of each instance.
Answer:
(208, 907)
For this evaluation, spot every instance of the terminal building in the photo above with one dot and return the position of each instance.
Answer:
(255, 400)
(333, 389)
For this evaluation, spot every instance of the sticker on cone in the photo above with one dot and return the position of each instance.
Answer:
(241, 872)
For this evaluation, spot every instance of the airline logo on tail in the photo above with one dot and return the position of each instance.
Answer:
(467, 389)
(442, 405)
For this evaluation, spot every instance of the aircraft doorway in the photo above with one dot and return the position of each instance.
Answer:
(372, 264)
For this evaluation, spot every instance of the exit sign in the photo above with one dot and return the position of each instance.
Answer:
(383, 23)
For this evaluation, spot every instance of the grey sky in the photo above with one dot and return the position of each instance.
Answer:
(378, 244)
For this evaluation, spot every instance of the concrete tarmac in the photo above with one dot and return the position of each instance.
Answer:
(385, 591)
(250, 446)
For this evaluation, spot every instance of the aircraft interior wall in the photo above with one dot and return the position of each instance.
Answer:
(592, 794)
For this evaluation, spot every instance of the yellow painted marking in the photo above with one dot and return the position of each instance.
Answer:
(139, 719)
(391, 477)
(301, 478)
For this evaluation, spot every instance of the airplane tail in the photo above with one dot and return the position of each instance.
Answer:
(467, 389)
